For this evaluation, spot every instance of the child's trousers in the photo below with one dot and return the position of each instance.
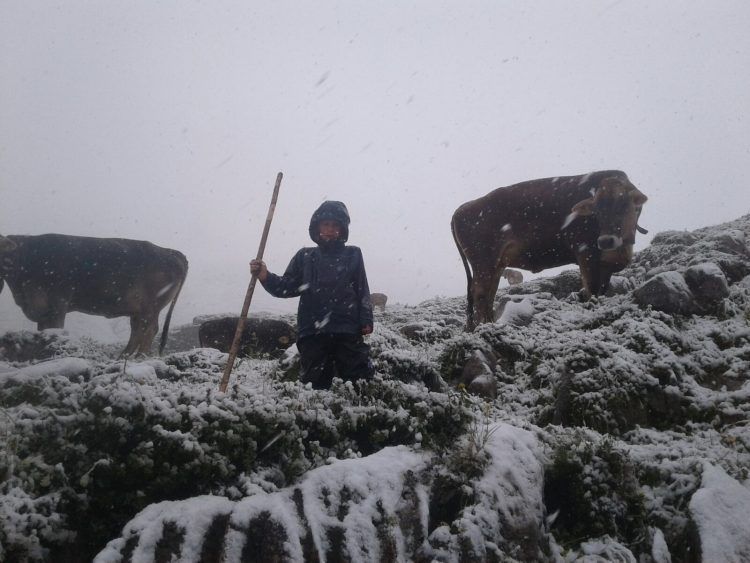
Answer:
(325, 356)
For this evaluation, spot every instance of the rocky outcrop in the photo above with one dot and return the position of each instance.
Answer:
(667, 292)
(701, 289)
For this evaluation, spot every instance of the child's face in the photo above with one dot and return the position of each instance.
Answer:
(329, 230)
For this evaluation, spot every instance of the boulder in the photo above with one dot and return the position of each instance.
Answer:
(514, 312)
(667, 292)
(707, 282)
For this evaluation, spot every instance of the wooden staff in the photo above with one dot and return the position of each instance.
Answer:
(250, 289)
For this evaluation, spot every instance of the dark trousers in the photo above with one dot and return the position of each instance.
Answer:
(325, 356)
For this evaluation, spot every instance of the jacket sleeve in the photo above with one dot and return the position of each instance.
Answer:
(290, 284)
(363, 292)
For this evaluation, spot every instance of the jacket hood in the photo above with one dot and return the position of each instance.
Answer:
(330, 210)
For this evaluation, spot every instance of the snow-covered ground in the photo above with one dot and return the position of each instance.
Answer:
(615, 429)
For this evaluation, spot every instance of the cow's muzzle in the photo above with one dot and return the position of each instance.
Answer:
(609, 242)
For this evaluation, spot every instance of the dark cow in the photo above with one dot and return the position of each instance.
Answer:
(52, 275)
(260, 336)
(589, 220)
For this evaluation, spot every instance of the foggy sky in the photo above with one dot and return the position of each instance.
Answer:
(167, 121)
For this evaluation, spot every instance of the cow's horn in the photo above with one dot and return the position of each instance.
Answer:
(641, 229)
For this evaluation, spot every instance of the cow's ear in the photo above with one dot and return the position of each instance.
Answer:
(584, 207)
(639, 198)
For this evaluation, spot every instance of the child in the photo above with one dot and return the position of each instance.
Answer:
(334, 308)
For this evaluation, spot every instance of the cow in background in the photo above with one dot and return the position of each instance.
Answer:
(589, 220)
(513, 277)
(379, 300)
(51, 275)
(259, 335)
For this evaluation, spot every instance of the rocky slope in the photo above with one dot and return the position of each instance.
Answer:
(616, 428)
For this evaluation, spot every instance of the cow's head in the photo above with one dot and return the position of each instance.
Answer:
(6, 245)
(616, 203)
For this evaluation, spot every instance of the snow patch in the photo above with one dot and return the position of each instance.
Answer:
(720, 512)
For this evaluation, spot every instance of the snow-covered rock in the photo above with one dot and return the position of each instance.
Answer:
(707, 282)
(518, 313)
(668, 292)
(719, 510)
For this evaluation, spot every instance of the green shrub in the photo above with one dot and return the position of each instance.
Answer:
(594, 489)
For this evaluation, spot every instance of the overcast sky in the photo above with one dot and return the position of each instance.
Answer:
(168, 120)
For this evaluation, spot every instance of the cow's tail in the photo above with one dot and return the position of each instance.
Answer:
(168, 318)
(469, 278)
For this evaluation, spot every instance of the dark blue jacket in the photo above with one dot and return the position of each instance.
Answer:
(329, 279)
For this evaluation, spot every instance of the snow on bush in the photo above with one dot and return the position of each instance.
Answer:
(112, 438)
(595, 442)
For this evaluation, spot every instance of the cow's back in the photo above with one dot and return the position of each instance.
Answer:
(95, 274)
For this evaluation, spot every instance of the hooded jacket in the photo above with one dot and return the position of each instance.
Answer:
(330, 280)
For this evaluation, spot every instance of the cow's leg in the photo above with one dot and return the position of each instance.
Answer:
(149, 328)
(149, 333)
(133, 340)
(483, 289)
(471, 316)
(480, 294)
(589, 276)
(595, 277)
(54, 317)
(494, 283)
(600, 282)
(143, 329)
(51, 322)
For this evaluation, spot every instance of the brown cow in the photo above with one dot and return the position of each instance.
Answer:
(51, 275)
(589, 220)
(379, 300)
